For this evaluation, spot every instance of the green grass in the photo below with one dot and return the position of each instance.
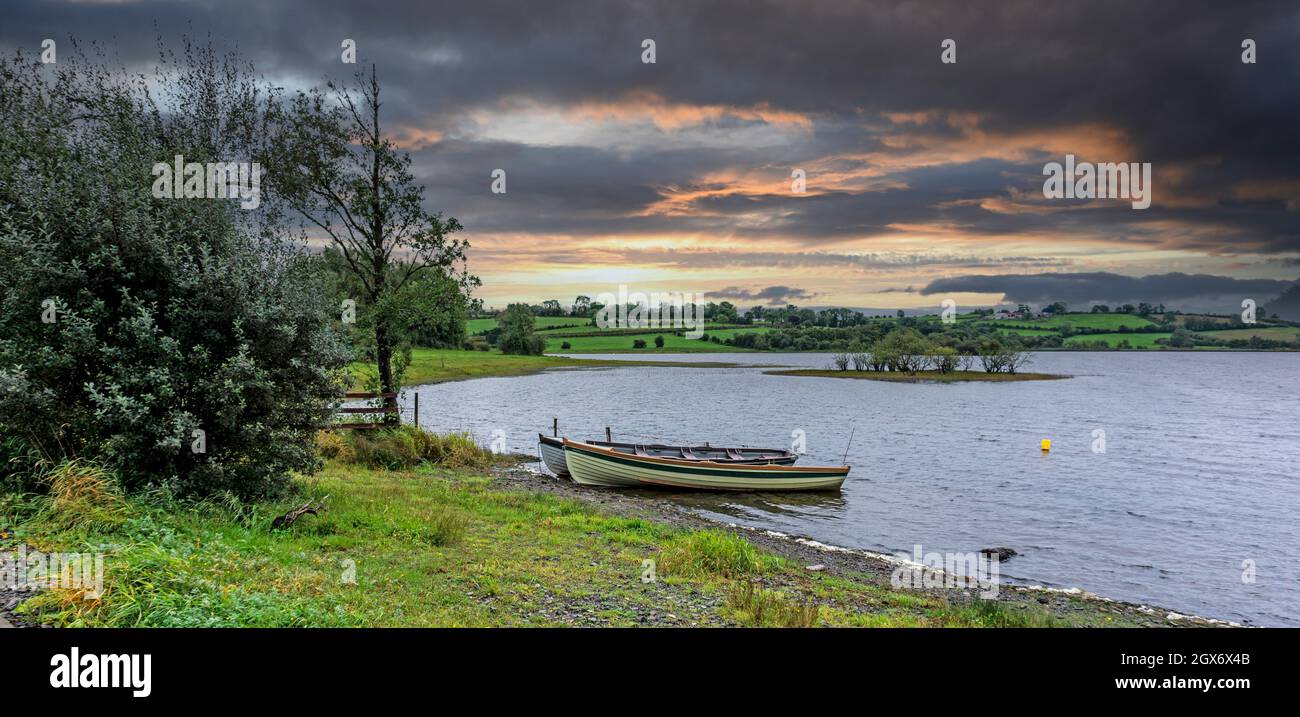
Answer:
(438, 365)
(1137, 341)
(757, 607)
(543, 323)
(436, 547)
(918, 377)
(622, 343)
(710, 554)
(1027, 332)
(1078, 321)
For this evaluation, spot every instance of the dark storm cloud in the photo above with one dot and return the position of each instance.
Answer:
(1166, 74)
(772, 295)
(1174, 289)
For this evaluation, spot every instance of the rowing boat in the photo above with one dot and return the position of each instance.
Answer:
(591, 464)
(552, 450)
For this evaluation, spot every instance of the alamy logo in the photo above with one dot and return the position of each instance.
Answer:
(78, 670)
(1105, 180)
(214, 180)
(35, 570)
(947, 570)
(637, 310)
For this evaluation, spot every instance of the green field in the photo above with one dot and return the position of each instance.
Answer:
(438, 365)
(622, 343)
(543, 323)
(1078, 321)
(1137, 341)
(1026, 332)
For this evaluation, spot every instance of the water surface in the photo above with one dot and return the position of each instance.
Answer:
(1199, 472)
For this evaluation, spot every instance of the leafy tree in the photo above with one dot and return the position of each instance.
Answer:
(944, 359)
(330, 161)
(430, 310)
(518, 332)
(1182, 338)
(189, 347)
(1003, 356)
(582, 306)
(905, 349)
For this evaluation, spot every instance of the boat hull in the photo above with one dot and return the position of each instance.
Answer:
(593, 465)
(553, 457)
(552, 452)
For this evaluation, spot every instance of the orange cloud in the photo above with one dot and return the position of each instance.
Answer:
(642, 105)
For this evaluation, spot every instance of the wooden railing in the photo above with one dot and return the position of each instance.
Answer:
(370, 410)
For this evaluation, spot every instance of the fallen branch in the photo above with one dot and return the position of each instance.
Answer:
(288, 519)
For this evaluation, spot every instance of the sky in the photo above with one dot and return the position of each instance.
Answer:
(923, 180)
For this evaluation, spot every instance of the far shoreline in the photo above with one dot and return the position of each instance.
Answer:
(919, 376)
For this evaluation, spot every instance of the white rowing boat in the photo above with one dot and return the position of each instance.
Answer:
(552, 452)
(590, 464)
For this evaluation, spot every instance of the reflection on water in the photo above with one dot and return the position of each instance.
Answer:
(1198, 472)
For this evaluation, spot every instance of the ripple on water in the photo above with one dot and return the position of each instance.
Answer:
(1198, 474)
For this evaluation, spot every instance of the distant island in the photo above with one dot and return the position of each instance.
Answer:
(918, 377)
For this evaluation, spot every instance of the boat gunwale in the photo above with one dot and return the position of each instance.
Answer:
(683, 463)
(770, 454)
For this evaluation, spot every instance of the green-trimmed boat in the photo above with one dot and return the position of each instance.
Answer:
(595, 465)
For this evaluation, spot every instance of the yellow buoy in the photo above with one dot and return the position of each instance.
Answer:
(1047, 445)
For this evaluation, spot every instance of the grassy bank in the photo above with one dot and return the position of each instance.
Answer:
(438, 365)
(429, 546)
(919, 376)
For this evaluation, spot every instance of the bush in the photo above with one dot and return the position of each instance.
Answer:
(518, 335)
(333, 444)
(840, 361)
(403, 447)
(83, 494)
(170, 316)
(566, 345)
(659, 342)
(638, 343)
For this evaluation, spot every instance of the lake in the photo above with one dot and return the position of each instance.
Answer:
(1196, 484)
